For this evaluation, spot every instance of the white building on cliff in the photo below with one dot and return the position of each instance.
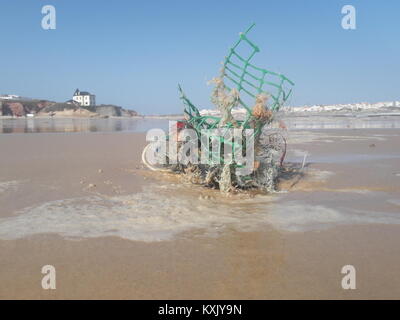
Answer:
(9, 97)
(84, 98)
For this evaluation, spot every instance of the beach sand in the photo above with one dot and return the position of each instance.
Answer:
(343, 209)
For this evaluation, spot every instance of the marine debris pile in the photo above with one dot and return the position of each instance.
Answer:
(224, 152)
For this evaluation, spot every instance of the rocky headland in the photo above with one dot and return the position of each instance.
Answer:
(46, 108)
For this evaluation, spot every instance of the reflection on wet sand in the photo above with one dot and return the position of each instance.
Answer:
(343, 122)
(38, 125)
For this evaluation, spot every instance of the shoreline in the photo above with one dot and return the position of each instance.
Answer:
(93, 117)
(284, 115)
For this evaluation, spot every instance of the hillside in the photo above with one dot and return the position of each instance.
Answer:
(22, 107)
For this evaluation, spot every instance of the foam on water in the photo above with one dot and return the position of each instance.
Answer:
(157, 213)
(297, 216)
(8, 185)
(162, 212)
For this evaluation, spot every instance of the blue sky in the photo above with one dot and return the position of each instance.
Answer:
(134, 53)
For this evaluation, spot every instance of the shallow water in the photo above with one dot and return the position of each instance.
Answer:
(384, 121)
(38, 125)
(59, 125)
(326, 198)
(164, 210)
(150, 215)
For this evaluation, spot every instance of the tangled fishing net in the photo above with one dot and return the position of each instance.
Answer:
(261, 93)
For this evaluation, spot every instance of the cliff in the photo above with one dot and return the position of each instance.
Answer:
(110, 110)
(20, 108)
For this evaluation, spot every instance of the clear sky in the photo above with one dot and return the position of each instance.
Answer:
(134, 53)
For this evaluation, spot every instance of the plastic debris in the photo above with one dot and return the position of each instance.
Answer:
(238, 83)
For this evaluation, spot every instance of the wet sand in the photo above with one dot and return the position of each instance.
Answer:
(343, 209)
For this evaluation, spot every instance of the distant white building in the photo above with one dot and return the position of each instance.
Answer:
(9, 97)
(84, 98)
